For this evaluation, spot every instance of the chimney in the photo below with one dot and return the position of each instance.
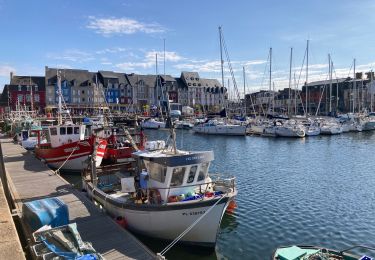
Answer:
(358, 75)
(11, 76)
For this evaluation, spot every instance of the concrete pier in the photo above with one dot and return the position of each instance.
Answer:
(29, 179)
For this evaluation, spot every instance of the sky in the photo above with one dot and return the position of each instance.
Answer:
(126, 35)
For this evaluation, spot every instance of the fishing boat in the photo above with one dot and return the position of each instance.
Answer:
(317, 253)
(177, 194)
(67, 147)
(120, 146)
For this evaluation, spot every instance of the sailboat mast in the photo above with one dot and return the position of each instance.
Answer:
(307, 76)
(270, 78)
(371, 91)
(221, 58)
(290, 80)
(354, 87)
(330, 83)
(244, 89)
(59, 98)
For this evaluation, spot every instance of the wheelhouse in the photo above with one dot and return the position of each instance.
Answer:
(65, 134)
(175, 174)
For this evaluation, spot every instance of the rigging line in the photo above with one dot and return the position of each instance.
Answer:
(265, 70)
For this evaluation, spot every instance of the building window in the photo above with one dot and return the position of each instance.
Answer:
(36, 88)
(19, 88)
(83, 99)
(83, 92)
(28, 98)
(20, 97)
(27, 88)
(50, 99)
(36, 98)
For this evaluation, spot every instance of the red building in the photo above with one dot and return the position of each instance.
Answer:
(21, 91)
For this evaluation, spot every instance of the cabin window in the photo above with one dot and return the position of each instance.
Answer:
(69, 130)
(178, 176)
(62, 130)
(76, 130)
(192, 172)
(157, 172)
(53, 131)
(202, 171)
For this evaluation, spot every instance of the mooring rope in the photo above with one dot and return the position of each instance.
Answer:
(165, 250)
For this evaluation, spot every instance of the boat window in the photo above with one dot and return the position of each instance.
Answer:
(192, 172)
(202, 171)
(76, 130)
(178, 176)
(62, 130)
(69, 130)
(157, 172)
(53, 131)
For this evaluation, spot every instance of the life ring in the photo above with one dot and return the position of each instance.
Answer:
(154, 196)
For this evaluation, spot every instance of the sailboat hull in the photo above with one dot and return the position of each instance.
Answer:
(220, 129)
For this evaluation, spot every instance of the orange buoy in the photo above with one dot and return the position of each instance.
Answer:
(232, 205)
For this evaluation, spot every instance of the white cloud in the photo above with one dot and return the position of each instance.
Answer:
(169, 56)
(72, 55)
(124, 25)
(5, 70)
(112, 50)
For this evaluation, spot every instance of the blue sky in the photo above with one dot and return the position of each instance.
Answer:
(124, 35)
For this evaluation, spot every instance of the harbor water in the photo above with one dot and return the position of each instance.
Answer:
(317, 191)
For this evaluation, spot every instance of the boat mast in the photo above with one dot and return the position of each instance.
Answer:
(290, 79)
(244, 89)
(59, 98)
(371, 91)
(270, 78)
(330, 83)
(221, 61)
(354, 87)
(307, 75)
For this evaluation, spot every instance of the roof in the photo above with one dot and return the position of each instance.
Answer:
(167, 78)
(327, 82)
(109, 74)
(79, 77)
(29, 80)
(148, 80)
(172, 160)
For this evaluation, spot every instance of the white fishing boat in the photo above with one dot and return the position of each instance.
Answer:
(152, 124)
(215, 127)
(183, 124)
(174, 194)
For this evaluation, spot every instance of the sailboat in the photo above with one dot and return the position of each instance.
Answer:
(67, 147)
(215, 126)
(171, 197)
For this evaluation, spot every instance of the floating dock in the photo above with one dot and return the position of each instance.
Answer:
(29, 179)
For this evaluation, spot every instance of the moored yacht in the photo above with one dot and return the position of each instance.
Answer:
(216, 127)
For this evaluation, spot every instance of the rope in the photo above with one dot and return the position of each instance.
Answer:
(165, 250)
(70, 155)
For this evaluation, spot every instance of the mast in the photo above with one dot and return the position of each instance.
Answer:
(307, 75)
(290, 79)
(59, 98)
(330, 83)
(270, 78)
(221, 59)
(244, 89)
(371, 91)
(354, 87)
(31, 97)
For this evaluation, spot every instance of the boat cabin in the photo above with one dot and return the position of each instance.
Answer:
(174, 174)
(65, 134)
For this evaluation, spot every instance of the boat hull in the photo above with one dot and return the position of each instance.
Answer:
(168, 221)
(220, 130)
(289, 132)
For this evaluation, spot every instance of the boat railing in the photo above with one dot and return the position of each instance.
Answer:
(221, 186)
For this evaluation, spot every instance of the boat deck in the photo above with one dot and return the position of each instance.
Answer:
(30, 179)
